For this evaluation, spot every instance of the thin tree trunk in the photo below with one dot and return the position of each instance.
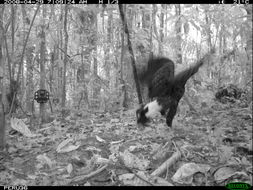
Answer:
(122, 81)
(29, 59)
(154, 20)
(178, 34)
(131, 53)
(108, 45)
(2, 115)
(23, 51)
(249, 49)
(209, 37)
(161, 29)
(42, 62)
(65, 59)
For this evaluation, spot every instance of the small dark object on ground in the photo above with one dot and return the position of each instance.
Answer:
(229, 93)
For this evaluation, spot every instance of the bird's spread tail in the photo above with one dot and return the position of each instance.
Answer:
(182, 77)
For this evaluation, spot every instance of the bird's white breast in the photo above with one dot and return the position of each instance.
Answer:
(153, 109)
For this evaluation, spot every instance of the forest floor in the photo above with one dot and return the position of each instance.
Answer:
(211, 147)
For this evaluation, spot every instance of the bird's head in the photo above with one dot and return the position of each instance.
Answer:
(147, 112)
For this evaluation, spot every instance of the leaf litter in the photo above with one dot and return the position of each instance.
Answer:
(212, 147)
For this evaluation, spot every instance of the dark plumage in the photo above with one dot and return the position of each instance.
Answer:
(156, 68)
(166, 88)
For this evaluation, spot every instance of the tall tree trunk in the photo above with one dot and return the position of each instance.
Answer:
(161, 29)
(122, 82)
(29, 59)
(93, 44)
(221, 52)
(22, 58)
(42, 62)
(151, 29)
(154, 12)
(124, 94)
(178, 34)
(65, 58)
(166, 18)
(29, 80)
(51, 74)
(108, 45)
(2, 115)
(131, 53)
(13, 16)
(249, 49)
(209, 37)
(59, 55)
(145, 19)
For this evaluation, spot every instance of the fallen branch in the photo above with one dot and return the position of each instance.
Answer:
(167, 164)
(122, 165)
(85, 177)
